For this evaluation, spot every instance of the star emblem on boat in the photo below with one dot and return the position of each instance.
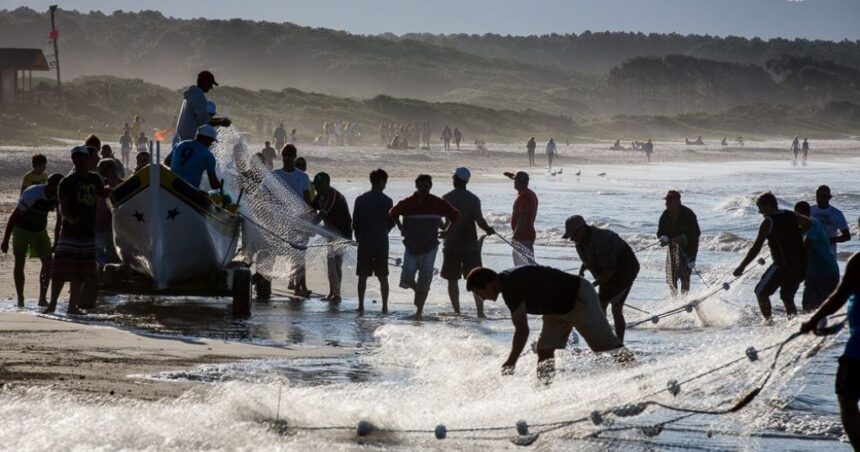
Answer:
(172, 213)
(138, 216)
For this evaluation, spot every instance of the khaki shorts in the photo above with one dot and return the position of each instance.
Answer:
(588, 319)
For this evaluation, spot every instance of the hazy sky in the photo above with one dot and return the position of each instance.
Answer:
(818, 19)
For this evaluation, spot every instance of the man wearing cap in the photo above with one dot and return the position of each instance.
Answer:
(74, 257)
(610, 260)
(333, 210)
(679, 230)
(191, 158)
(461, 251)
(194, 111)
(563, 300)
(28, 228)
(422, 218)
(523, 219)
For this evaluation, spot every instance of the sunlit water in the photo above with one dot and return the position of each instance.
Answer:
(407, 375)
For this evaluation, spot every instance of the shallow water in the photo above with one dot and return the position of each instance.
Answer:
(408, 375)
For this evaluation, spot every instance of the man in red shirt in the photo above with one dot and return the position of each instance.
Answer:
(523, 220)
(422, 218)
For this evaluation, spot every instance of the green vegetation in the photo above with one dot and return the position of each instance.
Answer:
(100, 105)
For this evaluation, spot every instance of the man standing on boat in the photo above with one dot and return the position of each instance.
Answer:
(191, 158)
(333, 210)
(678, 230)
(194, 112)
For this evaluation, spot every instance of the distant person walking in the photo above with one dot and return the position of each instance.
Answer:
(446, 137)
(194, 111)
(125, 144)
(530, 150)
(142, 142)
(422, 218)
(462, 249)
(649, 149)
(280, 136)
(136, 126)
(795, 147)
(805, 148)
(551, 151)
(678, 229)
(269, 155)
(371, 223)
(458, 137)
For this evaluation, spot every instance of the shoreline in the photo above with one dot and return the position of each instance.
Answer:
(68, 356)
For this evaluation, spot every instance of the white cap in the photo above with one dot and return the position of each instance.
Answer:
(463, 173)
(207, 131)
(210, 107)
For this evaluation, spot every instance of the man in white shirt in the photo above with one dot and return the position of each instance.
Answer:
(830, 218)
(298, 182)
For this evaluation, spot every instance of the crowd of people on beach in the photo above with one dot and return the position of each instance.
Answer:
(803, 243)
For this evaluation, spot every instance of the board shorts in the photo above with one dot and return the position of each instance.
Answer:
(776, 277)
(587, 317)
(370, 262)
(816, 290)
(37, 244)
(457, 264)
(848, 379)
(75, 259)
(422, 264)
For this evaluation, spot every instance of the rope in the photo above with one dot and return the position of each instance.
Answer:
(528, 258)
(296, 246)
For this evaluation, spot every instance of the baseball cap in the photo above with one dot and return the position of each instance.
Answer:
(80, 150)
(522, 176)
(463, 173)
(210, 107)
(322, 177)
(206, 76)
(673, 194)
(207, 131)
(572, 223)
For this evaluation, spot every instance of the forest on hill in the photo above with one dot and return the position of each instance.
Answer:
(581, 76)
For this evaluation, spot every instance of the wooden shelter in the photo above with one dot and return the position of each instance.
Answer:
(16, 74)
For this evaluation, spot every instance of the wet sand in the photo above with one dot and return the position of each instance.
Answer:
(86, 359)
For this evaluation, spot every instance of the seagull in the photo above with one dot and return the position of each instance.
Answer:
(602, 174)
(578, 172)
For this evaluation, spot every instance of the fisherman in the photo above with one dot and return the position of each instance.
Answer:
(523, 220)
(74, 257)
(302, 164)
(785, 241)
(194, 111)
(105, 248)
(551, 152)
(795, 147)
(37, 176)
(94, 145)
(462, 250)
(332, 209)
(269, 154)
(611, 262)
(191, 158)
(422, 214)
(28, 228)
(371, 223)
(125, 146)
(805, 148)
(848, 374)
(298, 183)
(678, 229)
(530, 150)
(822, 270)
(280, 136)
(831, 218)
(563, 300)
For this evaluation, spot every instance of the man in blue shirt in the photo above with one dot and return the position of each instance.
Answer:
(189, 159)
(822, 270)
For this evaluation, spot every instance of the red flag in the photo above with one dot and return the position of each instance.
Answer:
(54, 35)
